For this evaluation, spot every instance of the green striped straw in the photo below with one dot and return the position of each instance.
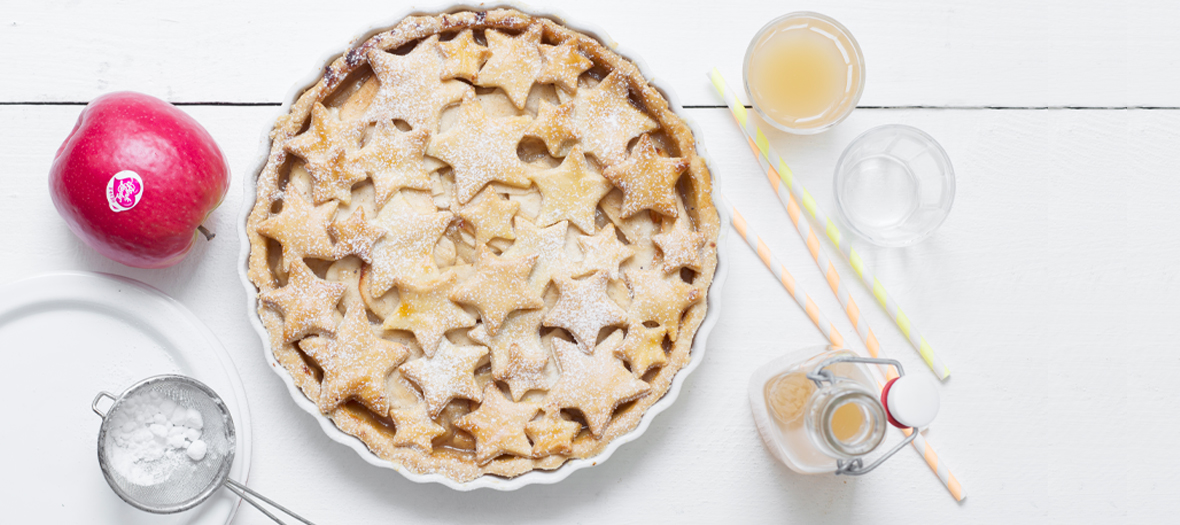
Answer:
(785, 185)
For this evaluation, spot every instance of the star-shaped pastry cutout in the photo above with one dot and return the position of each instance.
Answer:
(606, 121)
(462, 56)
(552, 435)
(518, 359)
(548, 244)
(491, 215)
(355, 363)
(643, 348)
(660, 299)
(405, 255)
(571, 191)
(355, 236)
(595, 384)
(648, 179)
(412, 88)
(307, 303)
(394, 160)
(498, 425)
(499, 286)
(636, 229)
(681, 246)
(481, 149)
(583, 308)
(515, 63)
(300, 229)
(603, 252)
(448, 375)
(414, 428)
(428, 312)
(324, 148)
(563, 64)
(554, 125)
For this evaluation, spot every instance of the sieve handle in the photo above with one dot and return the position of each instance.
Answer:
(248, 495)
(94, 404)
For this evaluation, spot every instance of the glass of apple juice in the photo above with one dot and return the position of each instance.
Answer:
(803, 72)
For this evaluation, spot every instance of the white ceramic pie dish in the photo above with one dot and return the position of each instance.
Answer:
(494, 482)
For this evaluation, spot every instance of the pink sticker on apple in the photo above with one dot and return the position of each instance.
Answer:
(124, 190)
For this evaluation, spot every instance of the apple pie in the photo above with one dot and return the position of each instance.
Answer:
(482, 244)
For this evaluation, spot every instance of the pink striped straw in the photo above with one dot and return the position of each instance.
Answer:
(826, 327)
(783, 276)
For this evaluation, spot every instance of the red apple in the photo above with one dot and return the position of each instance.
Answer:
(135, 179)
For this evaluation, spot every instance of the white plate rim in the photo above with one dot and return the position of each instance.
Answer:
(240, 404)
(542, 477)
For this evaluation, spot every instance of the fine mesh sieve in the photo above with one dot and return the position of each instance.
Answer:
(173, 482)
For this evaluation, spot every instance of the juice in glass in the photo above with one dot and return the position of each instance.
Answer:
(804, 72)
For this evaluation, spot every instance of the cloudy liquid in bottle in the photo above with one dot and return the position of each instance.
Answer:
(804, 72)
(847, 421)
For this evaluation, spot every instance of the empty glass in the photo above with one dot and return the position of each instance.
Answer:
(894, 185)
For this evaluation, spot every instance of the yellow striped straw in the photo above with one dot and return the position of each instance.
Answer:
(826, 327)
(785, 186)
(783, 276)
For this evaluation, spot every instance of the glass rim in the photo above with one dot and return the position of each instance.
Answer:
(858, 57)
(948, 175)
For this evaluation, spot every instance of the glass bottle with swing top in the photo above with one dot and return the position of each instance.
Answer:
(820, 410)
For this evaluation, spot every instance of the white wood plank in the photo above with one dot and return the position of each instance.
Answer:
(1051, 291)
(961, 52)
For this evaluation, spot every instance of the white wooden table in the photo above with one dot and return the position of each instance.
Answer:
(1051, 290)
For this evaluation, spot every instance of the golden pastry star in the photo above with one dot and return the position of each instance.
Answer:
(355, 364)
(498, 425)
(518, 359)
(548, 244)
(412, 88)
(552, 435)
(637, 229)
(300, 229)
(563, 65)
(643, 348)
(308, 303)
(571, 191)
(499, 286)
(648, 180)
(481, 149)
(603, 252)
(414, 428)
(554, 125)
(606, 121)
(659, 299)
(462, 56)
(393, 160)
(515, 63)
(448, 375)
(429, 313)
(324, 147)
(583, 308)
(491, 216)
(355, 236)
(404, 256)
(681, 246)
(595, 384)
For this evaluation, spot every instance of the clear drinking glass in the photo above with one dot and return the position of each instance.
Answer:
(894, 185)
(803, 72)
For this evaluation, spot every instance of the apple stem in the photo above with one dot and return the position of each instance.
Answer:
(208, 234)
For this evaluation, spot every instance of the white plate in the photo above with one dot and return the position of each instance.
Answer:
(63, 338)
(543, 477)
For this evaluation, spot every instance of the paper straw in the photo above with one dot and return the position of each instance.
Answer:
(825, 327)
(785, 186)
(937, 465)
(784, 277)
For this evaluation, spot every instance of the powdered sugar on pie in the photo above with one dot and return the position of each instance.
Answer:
(482, 244)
